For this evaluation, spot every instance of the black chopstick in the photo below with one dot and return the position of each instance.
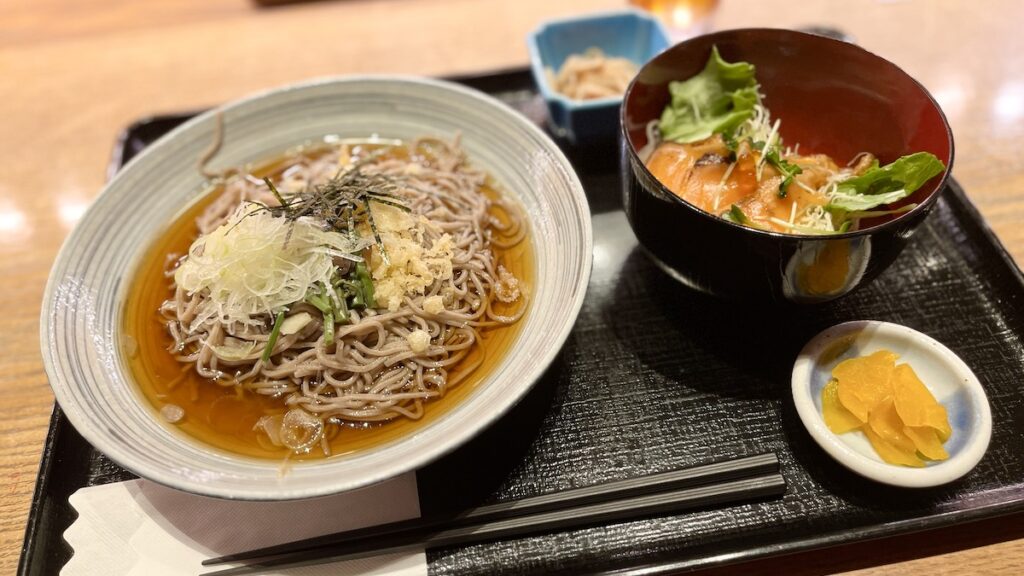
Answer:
(771, 484)
(689, 477)
(705, 485)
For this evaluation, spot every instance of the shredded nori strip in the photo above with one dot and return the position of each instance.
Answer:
(343, 201)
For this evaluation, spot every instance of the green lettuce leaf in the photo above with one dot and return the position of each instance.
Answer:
(886, 184)
(717, 100)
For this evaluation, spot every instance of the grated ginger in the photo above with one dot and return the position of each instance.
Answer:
(433, 305)
(413, 262)
(419, 341)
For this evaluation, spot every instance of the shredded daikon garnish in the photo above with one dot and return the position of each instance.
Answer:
(767, 147)
(758, 127)
(816, 218)
(721, 185)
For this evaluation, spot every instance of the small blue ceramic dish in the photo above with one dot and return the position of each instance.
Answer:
(625, 33)
(948, 378)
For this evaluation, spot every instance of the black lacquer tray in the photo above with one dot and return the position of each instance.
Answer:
(656, 377)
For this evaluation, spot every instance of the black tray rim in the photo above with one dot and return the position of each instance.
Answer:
(953, 193)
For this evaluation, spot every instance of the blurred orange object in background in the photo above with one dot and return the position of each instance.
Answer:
(684, 18)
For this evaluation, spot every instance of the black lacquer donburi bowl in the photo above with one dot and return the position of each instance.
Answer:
(832, 97)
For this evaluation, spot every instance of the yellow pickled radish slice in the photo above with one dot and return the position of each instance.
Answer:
(926, 439)
(837, 418)
(890, 404)
(916, 405)
(890, 453)
(885, 422)
(865, 382)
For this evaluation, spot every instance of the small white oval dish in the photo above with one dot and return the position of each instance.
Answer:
(948, 378)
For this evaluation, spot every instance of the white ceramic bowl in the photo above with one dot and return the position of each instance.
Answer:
(82, 307)
(948, 378)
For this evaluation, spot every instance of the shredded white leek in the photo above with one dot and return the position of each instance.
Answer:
(257, 264)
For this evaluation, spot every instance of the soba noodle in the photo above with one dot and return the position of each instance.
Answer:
(387, 361)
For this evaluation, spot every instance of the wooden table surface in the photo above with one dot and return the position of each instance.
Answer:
(75, 72)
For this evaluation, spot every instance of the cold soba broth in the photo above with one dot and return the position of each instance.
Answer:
(226, 416)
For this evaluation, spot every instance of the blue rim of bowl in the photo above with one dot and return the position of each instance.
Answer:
(922, 207)
(537, 64)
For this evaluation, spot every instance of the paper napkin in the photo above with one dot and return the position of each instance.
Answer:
(140, 528)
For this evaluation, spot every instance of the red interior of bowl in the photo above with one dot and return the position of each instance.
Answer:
(831, 96)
